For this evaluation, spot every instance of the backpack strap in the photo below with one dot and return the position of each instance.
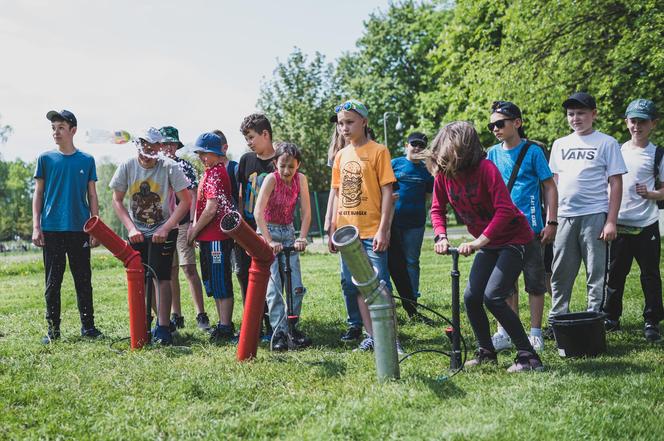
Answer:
(517, 165)
(659, 153)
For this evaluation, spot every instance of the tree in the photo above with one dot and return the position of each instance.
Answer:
(16, 187)
(391, 68)
(299, 101)
(105, 171)
(536, 53)
(5, 131)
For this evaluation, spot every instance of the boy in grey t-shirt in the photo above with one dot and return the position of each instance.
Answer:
(638, 226)
(149, 221)
(582, 163)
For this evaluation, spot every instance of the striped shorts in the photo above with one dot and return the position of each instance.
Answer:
(216, 268)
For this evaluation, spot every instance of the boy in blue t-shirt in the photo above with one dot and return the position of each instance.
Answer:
(525, 191)
(407, 232)
(65, 196)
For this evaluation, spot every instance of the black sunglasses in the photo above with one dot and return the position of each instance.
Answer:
(500, 124)
(418, 144)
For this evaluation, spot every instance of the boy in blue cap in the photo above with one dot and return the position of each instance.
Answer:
(638, 226)
(212, 203)
(65, 196)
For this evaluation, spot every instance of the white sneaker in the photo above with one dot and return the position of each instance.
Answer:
(537, 342)
(501, 342)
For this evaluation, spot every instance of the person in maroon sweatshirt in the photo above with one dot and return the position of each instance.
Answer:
(473, 186)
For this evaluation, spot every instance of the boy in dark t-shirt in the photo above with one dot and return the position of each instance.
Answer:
(253, 168)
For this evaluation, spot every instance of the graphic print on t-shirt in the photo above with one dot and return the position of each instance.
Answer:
(469, 197)
(146, 203)
(579, 153)
(254, 183)
(351, 187)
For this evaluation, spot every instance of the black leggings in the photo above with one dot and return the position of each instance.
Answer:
(491, 281)
(645, 248)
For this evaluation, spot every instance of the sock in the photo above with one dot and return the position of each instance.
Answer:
(535, 332)
(502, 331)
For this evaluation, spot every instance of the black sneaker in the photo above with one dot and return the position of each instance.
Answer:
(177, 321)
(651, 332)
(52, 335)
(91, 332)
(280, 341)
(353, 333)
(222, 333)
(299, 339)
(526, 361)
(482, 356)
(547, 333)
(612, 325)
(202, 321)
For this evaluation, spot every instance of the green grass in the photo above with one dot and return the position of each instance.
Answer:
(78, 389)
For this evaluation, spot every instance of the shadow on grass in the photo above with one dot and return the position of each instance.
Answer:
(328, 334)
(329, 368)
(599, 367)
(442, 386)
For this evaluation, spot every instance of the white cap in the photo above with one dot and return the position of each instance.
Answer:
(152, 136)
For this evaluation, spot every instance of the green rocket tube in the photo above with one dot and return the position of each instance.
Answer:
(381, 305)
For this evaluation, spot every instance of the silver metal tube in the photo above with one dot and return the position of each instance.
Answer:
(381, 305)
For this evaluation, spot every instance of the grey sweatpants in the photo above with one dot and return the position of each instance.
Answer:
(578, 239)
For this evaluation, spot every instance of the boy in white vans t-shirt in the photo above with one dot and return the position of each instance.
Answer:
(582, 163)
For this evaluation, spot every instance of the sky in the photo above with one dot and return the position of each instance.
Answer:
(129, 65)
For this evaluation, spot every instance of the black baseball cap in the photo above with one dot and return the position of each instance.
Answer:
(580, 99)
(63, 115)
(507, 108)
(418, 139)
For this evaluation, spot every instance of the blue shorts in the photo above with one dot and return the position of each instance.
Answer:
(216, 268)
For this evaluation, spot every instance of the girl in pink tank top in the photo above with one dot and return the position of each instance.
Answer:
(274, 212)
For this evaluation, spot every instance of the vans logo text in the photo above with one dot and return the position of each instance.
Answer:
(579, 153)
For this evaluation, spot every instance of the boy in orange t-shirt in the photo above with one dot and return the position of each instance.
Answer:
(362, 179)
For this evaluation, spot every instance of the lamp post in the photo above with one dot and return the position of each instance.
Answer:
(399, 126)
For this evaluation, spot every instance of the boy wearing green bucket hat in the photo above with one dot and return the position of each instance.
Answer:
(185, 256)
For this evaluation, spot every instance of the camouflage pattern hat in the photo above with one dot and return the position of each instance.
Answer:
(171, 134)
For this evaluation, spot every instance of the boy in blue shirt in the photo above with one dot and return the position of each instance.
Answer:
(65, 197)
(414, 189)
(525, 190)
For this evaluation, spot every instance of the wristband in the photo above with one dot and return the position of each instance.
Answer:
(438, 237)
(554, 223)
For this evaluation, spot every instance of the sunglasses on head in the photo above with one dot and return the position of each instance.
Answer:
(349, 105)
(500, 124)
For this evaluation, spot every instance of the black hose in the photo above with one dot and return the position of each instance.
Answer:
(446, 320)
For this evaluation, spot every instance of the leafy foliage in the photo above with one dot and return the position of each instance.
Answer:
(391, 66)
(16, 187)
(299, 101)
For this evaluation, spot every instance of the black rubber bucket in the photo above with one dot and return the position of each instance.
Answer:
(579, 334)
